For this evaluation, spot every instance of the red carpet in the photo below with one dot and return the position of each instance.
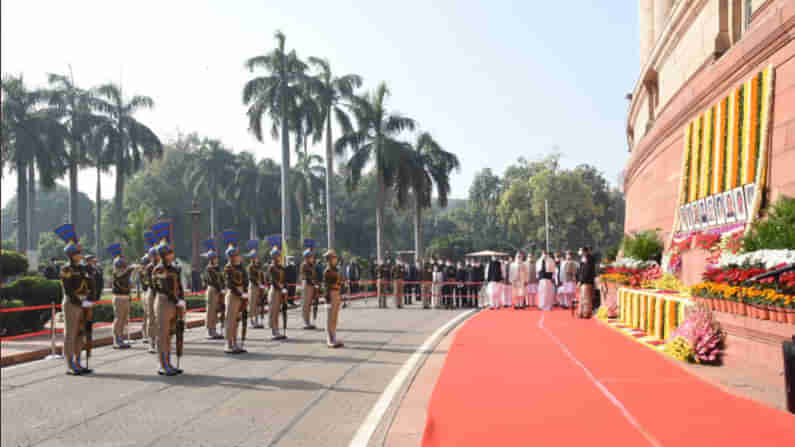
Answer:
(507, 382)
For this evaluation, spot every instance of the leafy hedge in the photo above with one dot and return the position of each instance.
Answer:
(12, 263)
(27, 291)
(777, 231)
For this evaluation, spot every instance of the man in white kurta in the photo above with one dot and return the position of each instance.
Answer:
(568, 277)
(532, 280)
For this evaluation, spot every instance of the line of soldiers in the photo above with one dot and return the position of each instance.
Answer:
(459, 283)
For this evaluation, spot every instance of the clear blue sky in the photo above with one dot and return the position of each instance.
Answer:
(492, 81)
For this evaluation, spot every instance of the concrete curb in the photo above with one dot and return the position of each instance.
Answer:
(29, 356)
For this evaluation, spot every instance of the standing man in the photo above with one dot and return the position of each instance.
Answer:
(412, 277)
(150, 322)
(236, 295)
(99, 277)
(169, 296)
(532, 278)
(121, 295)
(309, 287)
(398, 273)
(426, 276)
(278, 292)
(214, 281)
(494, 280)
(354, 275)
(382, 277)
(254, 290)
(450, 278)
(333, 281)
(460, 287)
(78, 286)
(478, 276)
(291, 271)
(586, 274)
(568, 269)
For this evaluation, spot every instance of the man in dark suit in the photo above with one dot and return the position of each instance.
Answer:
(586, 275)
(412, 276)
(494, 278)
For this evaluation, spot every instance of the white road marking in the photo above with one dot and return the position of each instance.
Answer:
(373, 419)
(612, 398)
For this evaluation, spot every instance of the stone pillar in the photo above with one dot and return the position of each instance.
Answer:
(662, 11)
(195, 213)
(646, 25)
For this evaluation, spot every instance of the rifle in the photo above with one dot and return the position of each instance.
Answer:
(180, 333)
(222, 309)
(89, 313)
(244, 329)
(315, 301)
(284, 313)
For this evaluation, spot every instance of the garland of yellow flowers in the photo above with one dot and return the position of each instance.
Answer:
(768, 77)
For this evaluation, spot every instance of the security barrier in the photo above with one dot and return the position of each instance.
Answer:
(657, 314)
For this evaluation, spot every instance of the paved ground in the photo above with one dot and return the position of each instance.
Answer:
(297, 393)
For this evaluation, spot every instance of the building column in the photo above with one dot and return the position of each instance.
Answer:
(662, 11)
(646, 25)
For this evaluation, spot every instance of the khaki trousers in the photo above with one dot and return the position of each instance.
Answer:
(233, 308)
(586, 300)
(149, 314)
(121, 313)
(166, 315)
(254, 294)
(74, 320)
(308, 296)
(398, 289)
(213, 300)
(333, 315)
(275, 298)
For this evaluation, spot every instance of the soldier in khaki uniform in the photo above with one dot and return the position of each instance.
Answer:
(214, 280)
(398, 273)
(255, 292)
(236, 295)
(121, 295)
(309, 284)
(78, 286)
(150, 322)
(333, 280)
(169, 302)
(277, 293)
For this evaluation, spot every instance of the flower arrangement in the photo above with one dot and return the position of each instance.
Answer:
(667, 282)
(601, 313)
(631, 273)
(698, 338)
(765, 258)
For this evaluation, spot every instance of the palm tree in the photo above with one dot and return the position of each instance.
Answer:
(99, 152)
(332, 94)
(307, 183)
(77, 109)
(33, 138)
(435, 165)
(276, 94)
(130, 141)
(375, 139)
(211, 172)
(246, 189)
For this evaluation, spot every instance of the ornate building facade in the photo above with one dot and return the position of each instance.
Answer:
(712, 113)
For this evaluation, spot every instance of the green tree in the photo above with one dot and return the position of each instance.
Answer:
(34, 140)
(129, 140)
(333, 94)
(307, 183)
(277, 94)
(375, 139)
(435, 166)
(210, 175)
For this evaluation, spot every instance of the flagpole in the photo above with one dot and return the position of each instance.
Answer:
(546, 221)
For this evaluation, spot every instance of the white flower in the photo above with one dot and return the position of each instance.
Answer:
(634, 263)
(767, 258)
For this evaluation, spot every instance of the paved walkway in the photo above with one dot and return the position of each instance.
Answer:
(296, 393)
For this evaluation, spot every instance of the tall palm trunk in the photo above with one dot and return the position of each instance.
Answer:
(418, 248)
(31, 216)
(379, 206)
(22, 207)
(213, 201)
(73, 186)
(118, 199)
(98, 208)
(330, 224)
(286, 214)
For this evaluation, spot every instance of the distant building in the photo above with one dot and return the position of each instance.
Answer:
(712, 111)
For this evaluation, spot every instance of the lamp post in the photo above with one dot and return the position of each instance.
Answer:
(195, 214)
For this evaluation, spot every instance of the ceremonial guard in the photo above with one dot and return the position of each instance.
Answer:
(150, 322)
(214, 280)
(278, 291)
(255, 287)
(309, 285)
(169, 301)
(121, 295)
(78, 286)
(398, 273)
(333, 281)
(381, 275)
(236, 295)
